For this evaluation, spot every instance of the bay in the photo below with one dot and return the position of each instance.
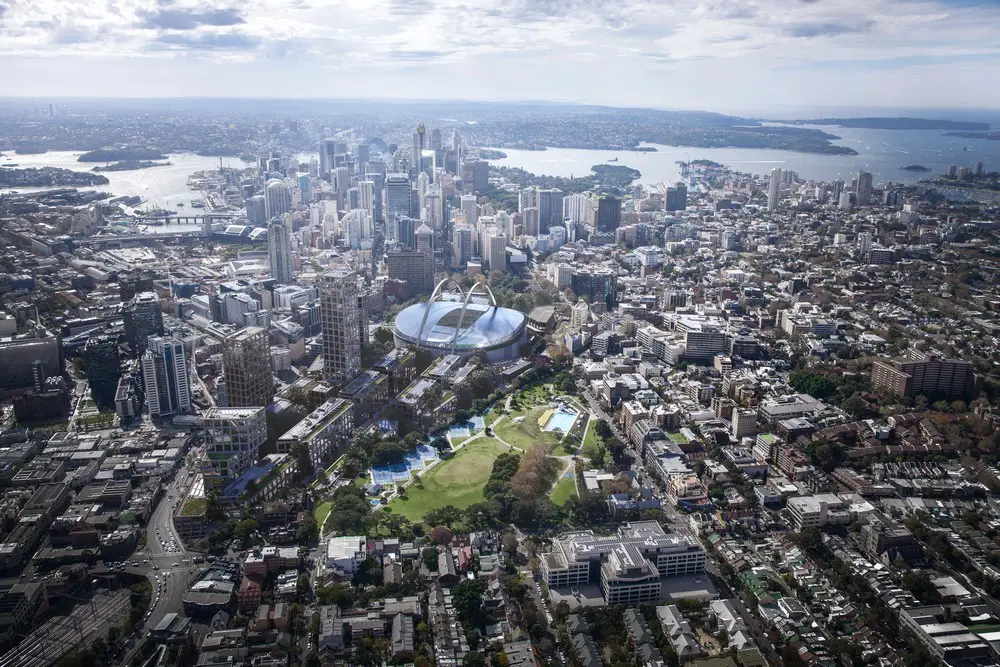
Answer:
(160, 187)
(882, 152)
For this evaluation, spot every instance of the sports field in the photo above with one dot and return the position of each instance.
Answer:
(457, 481)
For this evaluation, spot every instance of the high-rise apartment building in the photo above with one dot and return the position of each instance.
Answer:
(774, 188)
(246, 365)
(927, 376)
(338, 293)
(864, 188)
(279, 252)
(277, 198)
(142, 318)
(166, 378)
(577, 208)
(233, 437)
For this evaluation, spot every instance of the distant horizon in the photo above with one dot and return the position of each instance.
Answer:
(788, 112)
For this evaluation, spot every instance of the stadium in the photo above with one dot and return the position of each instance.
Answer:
(450, 323)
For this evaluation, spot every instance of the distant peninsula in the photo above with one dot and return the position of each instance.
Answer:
(121, 154)
(491, 154)
(893, 123)
(31, 177)
(129, 165)
(915, 167)
(991, 136)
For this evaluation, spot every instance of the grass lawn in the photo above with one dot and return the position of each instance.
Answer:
(677, 437)
(321, 512)
(527, 433)
(458, 481)
(564, 490)
(589, 448)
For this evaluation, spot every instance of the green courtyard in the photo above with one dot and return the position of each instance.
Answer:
(456, 481)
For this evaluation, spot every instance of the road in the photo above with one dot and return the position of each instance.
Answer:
(170, 566)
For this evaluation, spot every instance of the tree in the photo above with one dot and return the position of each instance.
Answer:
(467, 596)
(441, 535)
(430, 557)
(603, 430)
(510, 544)
(474, 659)
(245, 530)
(307, 532)
(919, 583)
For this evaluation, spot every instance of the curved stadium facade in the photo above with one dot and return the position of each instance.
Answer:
(446, 325)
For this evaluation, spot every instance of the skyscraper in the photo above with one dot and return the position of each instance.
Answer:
(142, 318)
(277, 198)
(406, 227)
(326, 152)
(526, 198)
(773, 189)
(864, 191)
(496, 251)
(279, 252)
(338, 293)
(233, 437)
(417, 152)
(256, 210)
(424, 238)
(103, 367)
(550, 209)
(461, 246)
(165, 377)
(397, 201)
(246, 364)
(470, 209)
(529, 218)
(577, 208)
(676, 199)
(366, 197)
(608, 214)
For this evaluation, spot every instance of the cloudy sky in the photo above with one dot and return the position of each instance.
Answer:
(725, 55)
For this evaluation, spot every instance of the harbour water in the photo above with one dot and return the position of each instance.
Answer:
(882, 152)
(160, 187)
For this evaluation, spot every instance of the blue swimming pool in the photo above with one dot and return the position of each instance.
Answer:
(561, 421)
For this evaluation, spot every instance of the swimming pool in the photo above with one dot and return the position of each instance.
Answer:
(561, 421)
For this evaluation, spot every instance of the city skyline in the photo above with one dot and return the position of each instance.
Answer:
(840, 53)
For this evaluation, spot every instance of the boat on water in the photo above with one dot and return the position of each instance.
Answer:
(197, 203)
(612, 159)
(180, 203)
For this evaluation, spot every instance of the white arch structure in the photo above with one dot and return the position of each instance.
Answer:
(438, 293)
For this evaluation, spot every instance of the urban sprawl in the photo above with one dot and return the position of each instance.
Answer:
(395, 405)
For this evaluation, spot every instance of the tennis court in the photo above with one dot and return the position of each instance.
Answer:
(400, 472)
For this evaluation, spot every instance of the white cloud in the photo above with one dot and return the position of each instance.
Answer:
(551, 49)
